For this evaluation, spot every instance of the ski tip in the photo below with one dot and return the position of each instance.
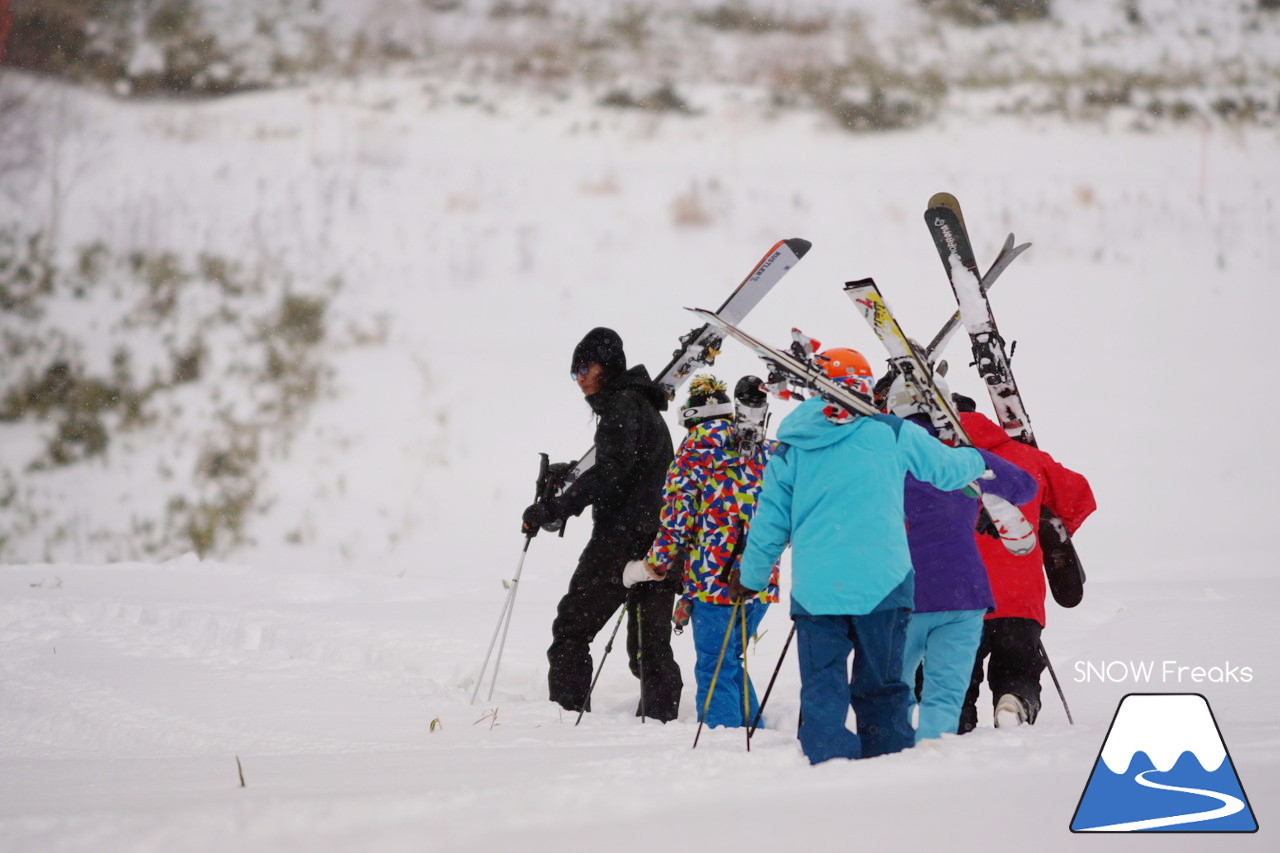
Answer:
(944, 200)
(798, 246)
(862, 282)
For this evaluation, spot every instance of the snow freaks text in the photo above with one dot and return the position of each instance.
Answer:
(1166, 671)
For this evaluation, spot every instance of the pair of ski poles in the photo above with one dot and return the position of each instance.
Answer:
(544, 491)
(755, 722)
(739, 615)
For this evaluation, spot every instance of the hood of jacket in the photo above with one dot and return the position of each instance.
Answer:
(809, 429)
(985, 432)
(636, 378)
(708, 445)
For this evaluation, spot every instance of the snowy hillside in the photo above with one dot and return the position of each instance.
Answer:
(322, 331)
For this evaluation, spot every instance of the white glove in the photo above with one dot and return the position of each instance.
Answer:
(638, 571)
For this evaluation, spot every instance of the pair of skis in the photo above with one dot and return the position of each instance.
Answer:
(1062, 566)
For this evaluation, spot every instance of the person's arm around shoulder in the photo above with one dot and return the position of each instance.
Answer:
(945, 468)
(1008, 480)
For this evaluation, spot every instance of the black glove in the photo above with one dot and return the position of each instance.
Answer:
(556, 472)
(737, 591)
(986, 526)
(537, 515)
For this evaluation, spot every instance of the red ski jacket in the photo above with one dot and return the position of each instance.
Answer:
(1018, 582)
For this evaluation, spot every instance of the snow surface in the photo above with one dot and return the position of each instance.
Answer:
(488, 236)
(129, 691)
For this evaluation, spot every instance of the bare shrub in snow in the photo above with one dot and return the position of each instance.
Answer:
(689, 210)
(977, 13)
(195, 371)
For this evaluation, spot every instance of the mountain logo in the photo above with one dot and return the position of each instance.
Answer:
(1163, 767)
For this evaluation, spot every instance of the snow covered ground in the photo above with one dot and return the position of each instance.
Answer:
(487, 237)
(130, 690)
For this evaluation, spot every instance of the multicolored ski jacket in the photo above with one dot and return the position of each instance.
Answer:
(708, 502)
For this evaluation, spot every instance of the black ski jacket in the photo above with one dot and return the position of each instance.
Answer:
(633, 450)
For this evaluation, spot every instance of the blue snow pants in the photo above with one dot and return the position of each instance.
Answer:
(876, 691)
(710, 622)
(947, 641)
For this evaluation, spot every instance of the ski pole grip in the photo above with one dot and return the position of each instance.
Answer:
(546, 489)
(544, 464)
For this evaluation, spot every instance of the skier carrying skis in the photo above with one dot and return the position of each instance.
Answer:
(834, 490)
(624, 489)
(1011, 634)
(709, 499)
(952, 594)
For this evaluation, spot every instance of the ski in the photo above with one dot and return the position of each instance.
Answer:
(1016, 532)
(904, 356)
(946, 226)
(791, 370)
(1008, 252)
(798, 370)
(701, 345)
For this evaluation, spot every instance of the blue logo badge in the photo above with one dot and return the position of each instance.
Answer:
(1163, 767)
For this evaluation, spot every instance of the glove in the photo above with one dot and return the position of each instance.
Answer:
(638, 571)
(681, 614)
(738, 592)
(537, 515)
(987, 526)
(556, 472)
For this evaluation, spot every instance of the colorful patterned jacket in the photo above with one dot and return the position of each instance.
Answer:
(708, 502)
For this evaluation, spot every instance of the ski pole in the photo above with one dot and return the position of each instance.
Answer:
(760, 711)
(746, 680)
(639, 655)
(706, 706)
(504, 620)
(508, 606)
(608, 647)
(1044, 654)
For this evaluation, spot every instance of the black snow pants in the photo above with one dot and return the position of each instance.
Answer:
(595, 593)
(1015, 665)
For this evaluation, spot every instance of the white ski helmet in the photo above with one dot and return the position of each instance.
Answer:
(903, 401)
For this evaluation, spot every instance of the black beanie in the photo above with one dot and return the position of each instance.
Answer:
(600, 346)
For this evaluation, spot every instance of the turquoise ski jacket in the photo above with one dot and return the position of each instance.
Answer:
(834, 491)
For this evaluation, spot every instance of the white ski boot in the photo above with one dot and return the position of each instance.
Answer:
(1010, 712)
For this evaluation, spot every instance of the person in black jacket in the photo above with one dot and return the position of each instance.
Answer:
(624, 488)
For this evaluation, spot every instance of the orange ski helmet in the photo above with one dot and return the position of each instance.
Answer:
(848, 367)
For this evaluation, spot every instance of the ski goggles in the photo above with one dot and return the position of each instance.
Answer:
(707, 410)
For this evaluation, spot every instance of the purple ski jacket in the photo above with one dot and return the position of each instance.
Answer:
(949, 572)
